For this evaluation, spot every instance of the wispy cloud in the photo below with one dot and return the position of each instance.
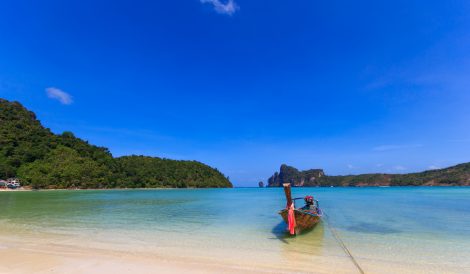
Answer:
(350, 166)
(399, 168)
(229, 7)
(431, 167)
(60, 95)
(395, 147)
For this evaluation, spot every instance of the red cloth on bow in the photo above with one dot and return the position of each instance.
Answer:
(291, 219)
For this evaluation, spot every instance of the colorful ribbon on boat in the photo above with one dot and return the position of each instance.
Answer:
(291, 219)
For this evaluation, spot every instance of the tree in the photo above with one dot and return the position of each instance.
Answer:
(63, 167)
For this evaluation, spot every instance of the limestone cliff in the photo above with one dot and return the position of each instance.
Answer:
(458, 175)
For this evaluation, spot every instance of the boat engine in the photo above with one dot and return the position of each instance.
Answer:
(308, 200)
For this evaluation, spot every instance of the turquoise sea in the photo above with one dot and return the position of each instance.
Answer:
(389, 230)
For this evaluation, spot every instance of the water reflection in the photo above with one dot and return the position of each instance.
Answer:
(309, 242)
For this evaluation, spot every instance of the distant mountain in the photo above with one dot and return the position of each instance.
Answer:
(43, 159)
(458, 175)
(288, 174)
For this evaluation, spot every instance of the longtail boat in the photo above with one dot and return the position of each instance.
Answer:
(301, 218)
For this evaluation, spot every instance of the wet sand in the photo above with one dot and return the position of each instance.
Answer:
(21, 254)
(26, 254)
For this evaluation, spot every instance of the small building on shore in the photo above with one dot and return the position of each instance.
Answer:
(13, 183)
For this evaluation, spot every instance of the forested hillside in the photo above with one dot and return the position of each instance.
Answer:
(458, 175)
(43, 159)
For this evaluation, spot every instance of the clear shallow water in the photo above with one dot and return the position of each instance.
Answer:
(421, 228)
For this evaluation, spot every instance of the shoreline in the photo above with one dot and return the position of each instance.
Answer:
(26, 189)
(91, 189)
(13, 190)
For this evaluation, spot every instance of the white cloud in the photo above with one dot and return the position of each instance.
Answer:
(229, 8)
(433, 167)
(400, 168)
(395, 147)
(60, 95)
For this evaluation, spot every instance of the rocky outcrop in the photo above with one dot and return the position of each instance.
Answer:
(288, 174)
(458, 175)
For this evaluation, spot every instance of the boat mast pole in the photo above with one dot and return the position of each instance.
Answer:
(288, 194)
(290, 210)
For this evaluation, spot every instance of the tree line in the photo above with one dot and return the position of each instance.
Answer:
(43, 159)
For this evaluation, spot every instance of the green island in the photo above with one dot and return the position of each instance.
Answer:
(44, 160)
(458, 175)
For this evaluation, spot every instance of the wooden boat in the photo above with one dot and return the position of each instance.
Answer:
(305, 217)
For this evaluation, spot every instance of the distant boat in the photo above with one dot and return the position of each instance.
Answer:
(301, 218)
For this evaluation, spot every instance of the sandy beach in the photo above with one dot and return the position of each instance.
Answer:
(18, 189)
(27, 254)
(50, 258)
(41, 255)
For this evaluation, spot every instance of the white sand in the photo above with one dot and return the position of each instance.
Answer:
(37, 255)
(40, 253)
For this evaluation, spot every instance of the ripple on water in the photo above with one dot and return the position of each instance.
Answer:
(372, 228)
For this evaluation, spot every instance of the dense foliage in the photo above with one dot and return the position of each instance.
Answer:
(453, 176)
(22, 138)
(456, 175)
(63, 167)
(145, 171)
(46, 160)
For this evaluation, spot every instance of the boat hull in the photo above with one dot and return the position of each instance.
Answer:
(304, 220)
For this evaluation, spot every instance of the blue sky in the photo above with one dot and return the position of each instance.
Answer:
(244, 86)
